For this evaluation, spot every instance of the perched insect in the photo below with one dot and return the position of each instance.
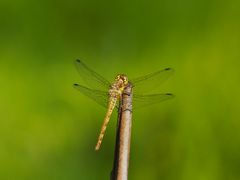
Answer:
(108, 94)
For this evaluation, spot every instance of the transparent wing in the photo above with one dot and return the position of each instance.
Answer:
(146, 100)
(152, 81)
(91, 78)
(100, 97)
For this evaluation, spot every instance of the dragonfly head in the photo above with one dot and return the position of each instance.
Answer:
(121, 80)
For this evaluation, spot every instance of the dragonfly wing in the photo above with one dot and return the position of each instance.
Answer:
(100, 97)
(146, 100)
(151, 81)
(91, 78)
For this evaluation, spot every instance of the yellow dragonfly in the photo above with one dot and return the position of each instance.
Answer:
(108, 94)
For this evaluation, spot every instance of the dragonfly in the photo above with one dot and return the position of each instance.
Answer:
(108, 94)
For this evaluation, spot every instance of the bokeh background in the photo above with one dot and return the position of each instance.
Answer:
(48, 129)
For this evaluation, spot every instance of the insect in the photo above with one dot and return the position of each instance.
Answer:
(108, 94)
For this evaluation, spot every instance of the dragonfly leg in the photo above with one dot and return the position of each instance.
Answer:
(126, 93)
(128, 110)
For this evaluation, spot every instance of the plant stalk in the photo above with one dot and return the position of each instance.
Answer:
(123, 136)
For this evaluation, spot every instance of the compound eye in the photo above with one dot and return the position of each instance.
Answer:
(117, 77)
(125, 80)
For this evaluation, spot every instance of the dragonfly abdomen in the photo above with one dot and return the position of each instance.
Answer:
(111, 105)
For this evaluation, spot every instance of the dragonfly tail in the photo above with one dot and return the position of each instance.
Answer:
(112, 104)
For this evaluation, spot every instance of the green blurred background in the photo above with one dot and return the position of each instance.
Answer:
(48, 130)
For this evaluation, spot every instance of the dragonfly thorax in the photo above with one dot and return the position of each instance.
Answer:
(121, 81)
(118, 86)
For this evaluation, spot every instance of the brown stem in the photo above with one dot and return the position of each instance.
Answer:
(123, 136)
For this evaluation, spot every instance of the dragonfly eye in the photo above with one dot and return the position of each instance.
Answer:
(122, 78)
(125, 80)
(117, 77)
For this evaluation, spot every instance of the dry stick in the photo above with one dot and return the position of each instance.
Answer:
(123, 136)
